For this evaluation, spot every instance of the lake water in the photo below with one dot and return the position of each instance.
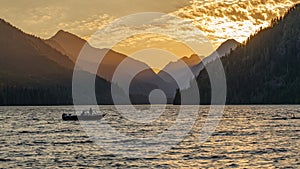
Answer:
(247, 137)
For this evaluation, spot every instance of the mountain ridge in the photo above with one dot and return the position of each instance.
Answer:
(265, 69)
(187, 68)
(33, 73)
(141, 85)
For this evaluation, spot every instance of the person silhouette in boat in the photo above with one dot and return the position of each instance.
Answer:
(90, 112)
(83, 113)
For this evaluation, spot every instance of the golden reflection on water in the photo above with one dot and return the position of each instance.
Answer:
(247, 137)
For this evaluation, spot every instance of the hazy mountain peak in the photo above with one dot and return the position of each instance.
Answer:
(35, 73)
(29, 45)
(265, 70)
(196, 63)
(193, 59)
(61, 34)
(227, 46)
(67, 43)
(30, 55)
(3, 21)
(233, 41)
(9, 28)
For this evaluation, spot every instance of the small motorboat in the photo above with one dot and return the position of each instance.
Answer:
(88, 117)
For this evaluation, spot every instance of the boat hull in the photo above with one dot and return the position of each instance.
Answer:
(83, 118)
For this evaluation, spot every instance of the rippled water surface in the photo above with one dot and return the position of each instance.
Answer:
(247, 137)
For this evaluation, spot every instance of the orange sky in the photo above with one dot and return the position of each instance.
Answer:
(219, 20)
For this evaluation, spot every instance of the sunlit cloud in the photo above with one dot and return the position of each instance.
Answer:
(87, 26)
(219, 20)
(45, 18)
(233, 19)
(165, 32)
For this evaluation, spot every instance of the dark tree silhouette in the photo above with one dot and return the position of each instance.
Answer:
(265, 69)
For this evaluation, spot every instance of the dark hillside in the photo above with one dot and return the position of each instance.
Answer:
(265, 70)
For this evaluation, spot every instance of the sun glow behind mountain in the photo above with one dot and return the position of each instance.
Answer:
(219, 20)
(233, 19)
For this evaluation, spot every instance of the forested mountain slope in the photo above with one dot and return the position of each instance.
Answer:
(265, 70)
(33, 73)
